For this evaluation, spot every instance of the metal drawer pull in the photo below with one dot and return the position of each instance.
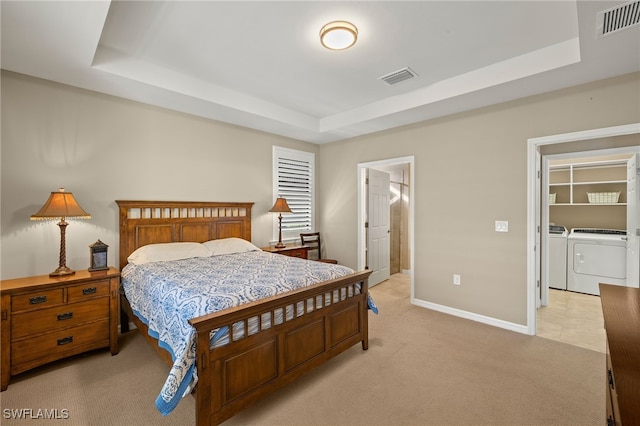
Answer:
(89, 290)
(65, 316)
(65, 340)
(37, 299)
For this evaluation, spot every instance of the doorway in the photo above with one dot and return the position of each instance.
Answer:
(568, 181)
(578, 142)
(401, 171)
(567, 313)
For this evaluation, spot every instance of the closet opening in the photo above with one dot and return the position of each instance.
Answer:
(570, 166)
(587, 210)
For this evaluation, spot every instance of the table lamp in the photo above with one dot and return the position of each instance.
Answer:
(61, 205)
(280, 207)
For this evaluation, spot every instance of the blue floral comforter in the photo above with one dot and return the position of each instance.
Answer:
(166, 295)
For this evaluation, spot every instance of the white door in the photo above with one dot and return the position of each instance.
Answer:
(378, 257)
(633, 223)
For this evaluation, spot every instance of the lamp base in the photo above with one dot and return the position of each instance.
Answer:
(280, 244)
(62, 271)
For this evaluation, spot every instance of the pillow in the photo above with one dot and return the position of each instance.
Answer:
(229, 246)
(167, 251)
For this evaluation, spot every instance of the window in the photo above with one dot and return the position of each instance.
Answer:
(293, 178)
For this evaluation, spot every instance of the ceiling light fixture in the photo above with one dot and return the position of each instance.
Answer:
(338, 35)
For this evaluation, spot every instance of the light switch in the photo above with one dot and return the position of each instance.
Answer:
(502, 226)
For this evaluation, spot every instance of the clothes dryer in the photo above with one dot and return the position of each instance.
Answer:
(558, 257)
(596, 256)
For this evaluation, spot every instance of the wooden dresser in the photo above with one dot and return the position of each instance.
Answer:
(44, 319)
(621, 310)
(292, 251)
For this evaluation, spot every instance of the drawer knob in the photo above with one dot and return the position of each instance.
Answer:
(65, 340)
(88, 290)
(37, 299)
(65, 316)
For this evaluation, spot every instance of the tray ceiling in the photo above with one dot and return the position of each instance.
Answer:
(260, 64)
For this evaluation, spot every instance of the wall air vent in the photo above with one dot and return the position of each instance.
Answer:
(618, 18)
(398, 76)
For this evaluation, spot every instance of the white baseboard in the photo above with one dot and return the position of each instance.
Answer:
(472, 316)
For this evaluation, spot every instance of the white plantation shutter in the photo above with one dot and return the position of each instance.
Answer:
(293, 180)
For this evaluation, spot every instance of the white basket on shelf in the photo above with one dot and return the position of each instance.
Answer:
(552, 198)
(603, 197)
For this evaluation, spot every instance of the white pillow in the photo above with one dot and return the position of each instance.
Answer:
(229, 246)
(167, 251)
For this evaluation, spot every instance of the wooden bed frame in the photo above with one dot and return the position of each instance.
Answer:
(233, 376)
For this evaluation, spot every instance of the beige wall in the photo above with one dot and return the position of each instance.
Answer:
(470, 170)
(104, 148)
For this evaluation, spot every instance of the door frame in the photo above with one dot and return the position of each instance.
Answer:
(361, 171)
(534, 175)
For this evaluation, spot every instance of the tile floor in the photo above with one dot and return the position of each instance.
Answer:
(570, 317)
(573, 318)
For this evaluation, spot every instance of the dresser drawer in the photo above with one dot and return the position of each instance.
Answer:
(45, 318)
(88, 291)
(58, 317)
(36, 300)
(58, 344)
(301, 253)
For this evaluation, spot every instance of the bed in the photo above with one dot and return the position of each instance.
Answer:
(268, 342)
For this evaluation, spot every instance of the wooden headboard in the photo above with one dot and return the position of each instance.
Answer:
(148, 222)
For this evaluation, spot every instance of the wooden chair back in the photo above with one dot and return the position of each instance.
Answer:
(312, 240)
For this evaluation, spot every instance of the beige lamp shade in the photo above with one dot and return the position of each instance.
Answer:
(60, 204)
(280, 206)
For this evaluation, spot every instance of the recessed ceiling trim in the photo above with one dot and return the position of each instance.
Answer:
(540, 61)
(178, 84)
(618, 18)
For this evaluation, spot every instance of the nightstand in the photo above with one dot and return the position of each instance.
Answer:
(292, 251)
(44, 318)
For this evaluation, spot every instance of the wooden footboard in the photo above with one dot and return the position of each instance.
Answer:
(324, 320)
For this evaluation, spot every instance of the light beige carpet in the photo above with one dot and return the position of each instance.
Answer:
(422, 368)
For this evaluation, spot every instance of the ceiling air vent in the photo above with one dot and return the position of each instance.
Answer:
(618, 18)
(398, 76)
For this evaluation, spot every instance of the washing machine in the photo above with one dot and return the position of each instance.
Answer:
(596, 256)
(558, 257)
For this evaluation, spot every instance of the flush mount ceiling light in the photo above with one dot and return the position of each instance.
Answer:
(338, 35)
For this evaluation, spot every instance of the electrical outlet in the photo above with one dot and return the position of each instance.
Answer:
(456, 279)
